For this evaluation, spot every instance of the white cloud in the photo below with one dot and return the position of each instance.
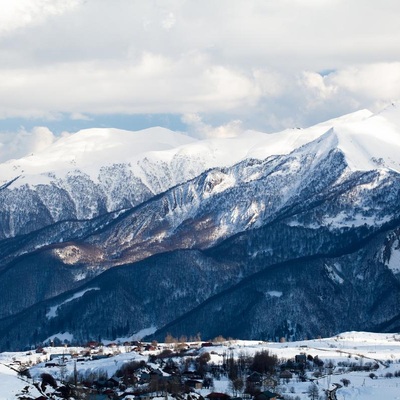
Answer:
(77, 116)
(253, 61)
(372, 81)
(169, 21)
(22, 143)
(368, 86)
(22, 13)
(155, 84)
(198, 128)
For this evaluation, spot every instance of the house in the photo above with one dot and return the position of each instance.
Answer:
(147, 375)
(100, 356)
(194, 384)
(145, 396)
(300, 359)
(191, 375)
(270, 382)
(255, 378)
(54, 363)
(267, 395)
(286, 374)
(63, 357)
(114, 381)
(92, 344)
(218, 396)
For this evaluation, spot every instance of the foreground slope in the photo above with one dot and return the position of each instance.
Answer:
(363, 365)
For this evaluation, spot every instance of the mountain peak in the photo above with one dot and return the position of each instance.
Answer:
(368, 141)
(373, 143)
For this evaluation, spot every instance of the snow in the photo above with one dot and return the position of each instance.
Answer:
(288, 140)
(154, 160)
(61, 336)
(53, 310)
(11, 384)
(274, 293)
(88, 150)
(394, 260)
(136, 336)
(344, 219)
(355, 347)
(369, 142)
(332, 272)
(219, 182)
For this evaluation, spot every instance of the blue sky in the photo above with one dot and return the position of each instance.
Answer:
(209, 68)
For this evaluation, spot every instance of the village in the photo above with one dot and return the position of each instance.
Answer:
(215, 370)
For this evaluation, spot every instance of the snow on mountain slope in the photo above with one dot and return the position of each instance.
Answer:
(88, 150)
(372, 143)
(290, 139)
(368, 141)
(96, 171)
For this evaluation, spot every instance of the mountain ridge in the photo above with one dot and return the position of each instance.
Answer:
(214, 230)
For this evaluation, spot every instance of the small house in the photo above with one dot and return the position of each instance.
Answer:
(255, 378)
(270, 382)
(300, 359)
(286, 374)
(194, 384)
(218, 396)
(267, 395)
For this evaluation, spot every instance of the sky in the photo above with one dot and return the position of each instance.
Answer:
(211, 68)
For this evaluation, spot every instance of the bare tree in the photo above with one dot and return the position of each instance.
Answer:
(237, 385)
(313, 391)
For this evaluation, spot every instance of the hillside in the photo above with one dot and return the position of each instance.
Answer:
(259, 236)
(358, 364)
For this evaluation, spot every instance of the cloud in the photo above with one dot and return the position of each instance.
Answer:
(355, 87)
(154, 84)
(261, 98)
(24, 13)
(371, 82)
(169, 21)
(23, 143)
(253, 61)
(77, 116)
(198, 128)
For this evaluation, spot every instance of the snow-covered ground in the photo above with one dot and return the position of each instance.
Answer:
(12, 385)
(359, 348)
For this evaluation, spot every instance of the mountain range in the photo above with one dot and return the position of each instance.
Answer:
(108, 233)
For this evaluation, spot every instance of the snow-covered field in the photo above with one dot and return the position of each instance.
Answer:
(359, 348)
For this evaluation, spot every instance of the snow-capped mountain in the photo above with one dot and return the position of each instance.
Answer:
(185, 228)
(96, 171)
